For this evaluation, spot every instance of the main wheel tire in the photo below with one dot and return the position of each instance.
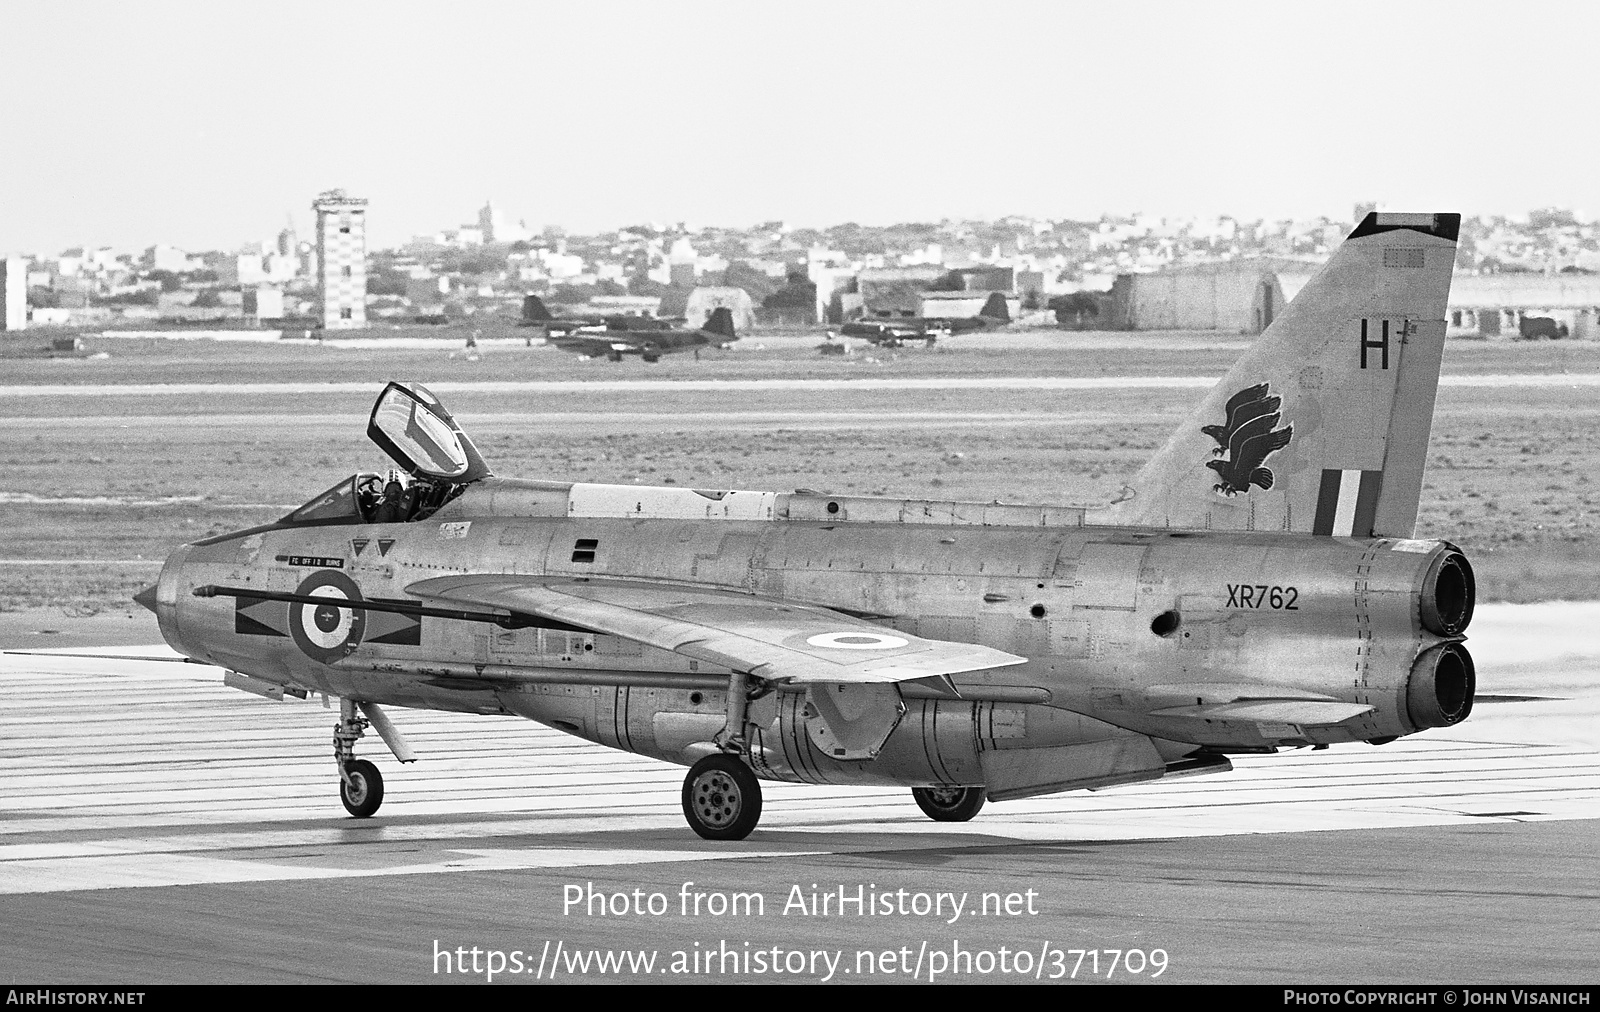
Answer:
(721, 798)
(949, 804)
(363, 792)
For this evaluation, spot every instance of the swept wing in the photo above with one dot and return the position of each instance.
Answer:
(769, 639)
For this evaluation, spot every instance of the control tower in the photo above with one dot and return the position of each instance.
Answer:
(341, 260)
(13, 293)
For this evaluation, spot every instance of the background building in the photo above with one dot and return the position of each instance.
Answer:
(496, 227)
(262, 304)
(706, 300)
(1510, 305)
(341, 260)
(1243, 296)
(889, 292)
(965, 305)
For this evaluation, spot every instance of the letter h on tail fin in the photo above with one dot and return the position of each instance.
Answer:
(1322, 427)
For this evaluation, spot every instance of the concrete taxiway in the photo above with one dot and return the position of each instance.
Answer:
(157, 827)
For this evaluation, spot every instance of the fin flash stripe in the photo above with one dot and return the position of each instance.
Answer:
(1347, 503)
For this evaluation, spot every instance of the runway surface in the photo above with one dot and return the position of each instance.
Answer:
(157, 827)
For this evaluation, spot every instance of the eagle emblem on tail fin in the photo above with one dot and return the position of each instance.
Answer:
(1248, 437)
(1251, 402)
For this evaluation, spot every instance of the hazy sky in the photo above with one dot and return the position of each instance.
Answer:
(206, 124)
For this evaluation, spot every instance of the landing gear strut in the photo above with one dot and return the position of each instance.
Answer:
(360, 783)
(949, 804)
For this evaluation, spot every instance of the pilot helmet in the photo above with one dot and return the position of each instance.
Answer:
(394, 476)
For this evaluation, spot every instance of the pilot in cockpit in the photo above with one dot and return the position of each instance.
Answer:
(369, 493)
(398, 499)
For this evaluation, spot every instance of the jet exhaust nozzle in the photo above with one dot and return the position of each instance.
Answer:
(1440, 690)
(1448, 593)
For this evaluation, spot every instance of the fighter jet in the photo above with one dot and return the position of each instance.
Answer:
(649, 339)
(893, 333)
(968, 652)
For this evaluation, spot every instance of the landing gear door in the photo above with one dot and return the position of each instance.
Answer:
(414, 429)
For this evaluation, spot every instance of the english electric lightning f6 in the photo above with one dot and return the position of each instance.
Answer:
(1256, 587)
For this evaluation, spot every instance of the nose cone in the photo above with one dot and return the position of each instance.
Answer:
(147, 598)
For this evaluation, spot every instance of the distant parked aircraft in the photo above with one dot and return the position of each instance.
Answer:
(628, 335)
(894, 332)
(536, 314)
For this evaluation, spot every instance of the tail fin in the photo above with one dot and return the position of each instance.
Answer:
(995, 309)
(720, 323)
(1346, 376)
(533, 309)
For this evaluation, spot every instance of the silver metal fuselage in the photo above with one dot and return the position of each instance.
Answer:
(1134, 636)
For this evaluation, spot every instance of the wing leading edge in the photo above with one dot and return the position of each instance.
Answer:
(799, 644)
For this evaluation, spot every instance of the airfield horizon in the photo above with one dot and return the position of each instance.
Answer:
(127, 478)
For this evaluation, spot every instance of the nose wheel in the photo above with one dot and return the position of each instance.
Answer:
(721, 798)
(361, 788)
(949, 804)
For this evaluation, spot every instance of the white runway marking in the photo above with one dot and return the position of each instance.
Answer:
(127, 774)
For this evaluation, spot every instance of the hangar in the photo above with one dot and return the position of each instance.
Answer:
(1510, 305)
(1243, 296)
(965, 305)
(703, 300)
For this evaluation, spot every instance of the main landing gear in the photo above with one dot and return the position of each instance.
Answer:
(949, 804)
(721, 796)
(360, 783)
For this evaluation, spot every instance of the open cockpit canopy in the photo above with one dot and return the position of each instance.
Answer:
(414, 429)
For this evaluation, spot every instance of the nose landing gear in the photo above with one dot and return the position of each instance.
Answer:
(360, 783)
